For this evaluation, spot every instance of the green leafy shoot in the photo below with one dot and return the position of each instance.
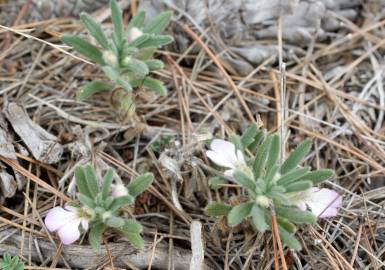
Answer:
(9, 262)
(125, 55)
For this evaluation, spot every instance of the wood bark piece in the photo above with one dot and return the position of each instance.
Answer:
(8, 184)
(197, 246)
(6, 147)
(43, 145)
(85, 257)
(248, 26)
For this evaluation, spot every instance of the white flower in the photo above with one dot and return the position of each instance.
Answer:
(224, 154)
(118, 190)
(133, 34)
(322, 202)
(66, 222)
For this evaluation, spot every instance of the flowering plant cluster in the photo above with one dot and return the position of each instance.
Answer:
(252, 161)
(125, 57)
(283, 189)
(98, 209)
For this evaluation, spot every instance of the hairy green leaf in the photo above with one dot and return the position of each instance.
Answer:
(271, 173)
(159, 23)
(277, 194)
(140, 40)
(249, 135)
(155, 41)
(92, 181)
(121, 201)
(129, 50)
(260, 158)
(87, 201)
(137, 21)
(296, 156)
(140, 184)
(132, 226)
(107, 180)
(299, 186)
(115, 222)
(155, 86)
(145, 54)
(292, 176)
(154, 64)
(135, 239)
(288, 239)
(286, 224)
(83, 47)
(131, 230)
(244, 180)
(94, 29)
(238, 213)
(92, 88)
(95, 235)
(116, 17)
(274, 152)
(114, 76)
(295, 215)
(217, 209)
(258, 218)
(258, 139)
(81, 181)
(138, 67)
(318, 176)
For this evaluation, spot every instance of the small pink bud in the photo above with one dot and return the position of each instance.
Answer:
(133, 34)
(119, 190)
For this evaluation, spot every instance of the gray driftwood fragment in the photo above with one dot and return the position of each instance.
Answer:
(7, 150)
(6, 147)
(197, 246)
(248, 26)
(43, 145)
(8, 184)
(85, 257)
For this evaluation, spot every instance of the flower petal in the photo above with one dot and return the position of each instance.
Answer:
(324, 202)
(229, 173)
(301, 205)
(240, 157)
(57, 217)
(70, 233)
(219, 159)
(84, 223)
(225, 149)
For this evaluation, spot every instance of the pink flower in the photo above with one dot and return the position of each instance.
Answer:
(66, 222)
(133, 34)
(118, 190)
(322, 202)
(223, 153)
